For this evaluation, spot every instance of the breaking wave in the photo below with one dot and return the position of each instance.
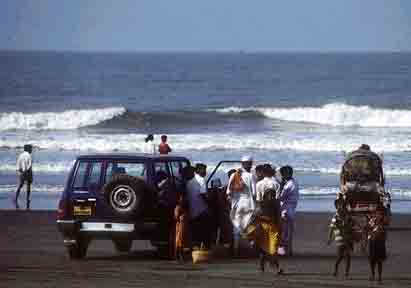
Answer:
(334, 114)
(66, 120)
(209, 142)
(38, 189)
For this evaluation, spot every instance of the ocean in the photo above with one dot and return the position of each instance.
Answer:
(301, 109)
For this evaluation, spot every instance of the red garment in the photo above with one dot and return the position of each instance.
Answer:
(163, 148)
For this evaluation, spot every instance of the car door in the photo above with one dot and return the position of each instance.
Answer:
(86, 188)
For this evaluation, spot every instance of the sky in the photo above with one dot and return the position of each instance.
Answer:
(212, 25)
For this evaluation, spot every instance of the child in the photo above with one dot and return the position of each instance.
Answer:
(181, 218)
(341, 232)
(164, 148)
(376, 241)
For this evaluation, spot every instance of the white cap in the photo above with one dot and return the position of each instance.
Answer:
(246, 158)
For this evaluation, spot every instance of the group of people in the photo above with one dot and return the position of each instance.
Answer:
(151, 148)
(260, 208)
(263, 208)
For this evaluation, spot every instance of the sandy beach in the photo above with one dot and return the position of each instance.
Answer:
(32, 255)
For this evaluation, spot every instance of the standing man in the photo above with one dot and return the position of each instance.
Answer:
(200, 174)
(288, 204)
(25, 173)
(149, 146)
(241, 192)
(164, 148)
(198, 209)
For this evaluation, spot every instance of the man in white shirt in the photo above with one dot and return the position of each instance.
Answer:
(200, 174)
(198, 208)
(149, 146)
(25, 173)
(242, 199)
(267, 183)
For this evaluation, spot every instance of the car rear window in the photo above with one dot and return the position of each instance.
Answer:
(95, 173)
(81, 173)
(135, 169)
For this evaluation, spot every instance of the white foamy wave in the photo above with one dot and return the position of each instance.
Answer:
(335, 114)
(212, 142)
(50, 168)
(332, 191)
(319, 191)
(66, 120)
(37, 189)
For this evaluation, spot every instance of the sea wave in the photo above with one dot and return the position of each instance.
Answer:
(66, 120)
(334, 114)
(210, 142)
(36, 189)
(41, 167)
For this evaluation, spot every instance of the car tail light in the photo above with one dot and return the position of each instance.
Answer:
(64, 209)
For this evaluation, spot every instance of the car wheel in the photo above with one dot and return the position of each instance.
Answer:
(124, 194)
(123, 245)
(79, 249)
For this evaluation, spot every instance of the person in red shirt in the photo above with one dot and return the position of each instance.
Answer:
(164, 148)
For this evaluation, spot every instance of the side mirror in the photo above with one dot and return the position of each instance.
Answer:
(216, 183)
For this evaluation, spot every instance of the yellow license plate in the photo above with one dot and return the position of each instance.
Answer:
(82, 211)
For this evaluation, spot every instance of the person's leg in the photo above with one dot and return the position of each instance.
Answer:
(379, 270)
(204, 229)
(372, 268)
(347, 263)
(236, 242)
(340, 257)
(282, 250)
(275, 263)
(28, 194)
(262, 260)
(21, 183)
(290, 237)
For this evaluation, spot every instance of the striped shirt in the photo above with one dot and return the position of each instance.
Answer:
(341, 229)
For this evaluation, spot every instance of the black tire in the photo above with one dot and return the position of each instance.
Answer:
(123, 245)
(79, 249)
(125, 194)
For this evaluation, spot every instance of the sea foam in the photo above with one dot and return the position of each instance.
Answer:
(335, 114)
(66, 120)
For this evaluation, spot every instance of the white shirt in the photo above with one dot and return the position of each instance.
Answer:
(248, 179)
(202, 182)
(264, 184)
(149, 147)
(196, 201)
(24, 162)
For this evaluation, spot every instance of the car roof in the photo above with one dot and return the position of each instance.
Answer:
(130, 156)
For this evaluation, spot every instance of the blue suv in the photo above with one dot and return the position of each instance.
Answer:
(120, 197)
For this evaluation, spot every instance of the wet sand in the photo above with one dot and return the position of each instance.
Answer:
(32, 255)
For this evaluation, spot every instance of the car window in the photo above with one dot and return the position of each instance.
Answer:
(95, 173)
(121, 167)
(80, 178)
(160, 171)
(176, 168)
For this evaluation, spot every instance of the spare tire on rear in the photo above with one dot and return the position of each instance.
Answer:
(125, 194)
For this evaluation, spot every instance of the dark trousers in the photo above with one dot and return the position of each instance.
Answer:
(25, 177)
(200, 230)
